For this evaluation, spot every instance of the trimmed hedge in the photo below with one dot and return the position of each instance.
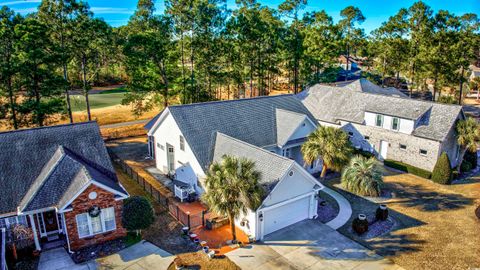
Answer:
(407, 168)
(442, 172)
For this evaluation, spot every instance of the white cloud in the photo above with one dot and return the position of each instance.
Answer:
(24, 11)
(111, 10)
(11, 3)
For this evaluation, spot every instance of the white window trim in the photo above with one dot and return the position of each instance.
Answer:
(381, 120)
(102, 222)
(398, 124)
(182, 143)
(400, 146)
(422, 154)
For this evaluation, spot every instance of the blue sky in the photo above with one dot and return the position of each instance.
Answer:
(117, 12)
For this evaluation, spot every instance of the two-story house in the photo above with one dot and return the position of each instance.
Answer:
(384, 121)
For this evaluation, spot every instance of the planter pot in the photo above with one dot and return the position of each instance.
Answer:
(360, 224)
(185, 230)
(382, 212)
(205, 249)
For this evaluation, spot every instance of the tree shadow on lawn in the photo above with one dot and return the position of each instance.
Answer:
(416, 195)
(388, 243)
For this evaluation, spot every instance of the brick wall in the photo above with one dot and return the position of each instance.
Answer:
(81, 205)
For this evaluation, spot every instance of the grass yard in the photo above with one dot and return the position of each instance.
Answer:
(97, 101)
(436, 225)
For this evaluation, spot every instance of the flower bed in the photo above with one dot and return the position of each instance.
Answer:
(97, 251)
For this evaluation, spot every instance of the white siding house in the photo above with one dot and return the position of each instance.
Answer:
(185, 140)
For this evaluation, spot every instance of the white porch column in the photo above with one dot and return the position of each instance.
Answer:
(65, 231)
(35, 235)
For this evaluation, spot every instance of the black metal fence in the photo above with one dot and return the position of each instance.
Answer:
(186, 218)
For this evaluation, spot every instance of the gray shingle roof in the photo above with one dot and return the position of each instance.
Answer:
(271, 166)
(287, 123)
(331, 104)
(250, 120)
(34, 158)
(366, 86)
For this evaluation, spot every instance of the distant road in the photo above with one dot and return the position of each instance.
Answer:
(136, 122)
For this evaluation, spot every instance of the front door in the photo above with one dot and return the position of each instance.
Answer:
(383, 150)
(50, 219)
(170, 158)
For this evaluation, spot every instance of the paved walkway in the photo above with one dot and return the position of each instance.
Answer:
(141, 256)
(308, 245)
(58, 259)
(345, 209)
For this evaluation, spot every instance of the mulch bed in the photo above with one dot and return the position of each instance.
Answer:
(97, 251)
(327, 208)
(375, 227)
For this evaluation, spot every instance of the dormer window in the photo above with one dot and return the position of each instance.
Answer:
(379, 120)
(395, 123)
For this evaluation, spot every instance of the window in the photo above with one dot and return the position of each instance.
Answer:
(379, 120)
(367, 137)
(423, 152)
(109, 219)
(9, 221)
(395, 123)
(350, 134)
(160, 146)
(182, 143)
(88, 226)
(82, 225)
(286, 153)
(403, 146)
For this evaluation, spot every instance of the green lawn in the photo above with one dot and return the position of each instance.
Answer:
(96, 100)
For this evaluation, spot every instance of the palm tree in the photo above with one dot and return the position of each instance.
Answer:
(331, 145)
(232, 188)
(363, 176)
(468, 136)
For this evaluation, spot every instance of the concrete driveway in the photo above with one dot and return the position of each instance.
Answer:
(141, 256)
(308, 245)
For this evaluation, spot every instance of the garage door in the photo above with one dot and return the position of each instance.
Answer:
(285, 215)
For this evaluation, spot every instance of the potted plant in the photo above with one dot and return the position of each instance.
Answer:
(178, 263)
(382, 212)
(360, 224)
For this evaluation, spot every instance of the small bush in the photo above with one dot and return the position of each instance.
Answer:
(442, 172)
(470, 157)
(137, 213)
(363, 153)
(407, 168)
(466, 166)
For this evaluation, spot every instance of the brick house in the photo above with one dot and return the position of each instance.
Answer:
(60, 181)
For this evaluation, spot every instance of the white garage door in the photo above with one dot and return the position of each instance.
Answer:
(285, 215)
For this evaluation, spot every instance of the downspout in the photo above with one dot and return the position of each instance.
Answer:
(66, 232)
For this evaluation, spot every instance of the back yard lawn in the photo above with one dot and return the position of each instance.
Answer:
(436, 227)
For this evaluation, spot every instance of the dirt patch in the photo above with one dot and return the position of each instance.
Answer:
(199, 260)
(123, 132)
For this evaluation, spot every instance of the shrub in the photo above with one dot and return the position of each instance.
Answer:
(137, 214)
(442, 172)
(363, 153)
(471, 157)
(363, 176)
(466, 166)
(407, 168)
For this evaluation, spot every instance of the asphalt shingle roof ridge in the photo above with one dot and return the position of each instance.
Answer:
(46, 127)
(226, 101)
(256, 147)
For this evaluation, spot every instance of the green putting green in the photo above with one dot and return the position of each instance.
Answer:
(96, 101)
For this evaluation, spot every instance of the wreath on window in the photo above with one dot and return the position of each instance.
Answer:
(94, 211)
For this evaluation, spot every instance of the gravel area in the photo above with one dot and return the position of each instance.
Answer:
(375, 227)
